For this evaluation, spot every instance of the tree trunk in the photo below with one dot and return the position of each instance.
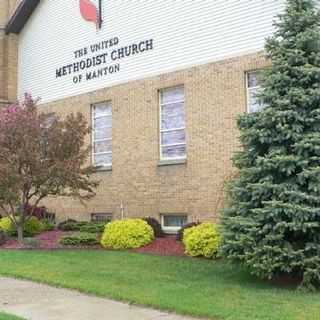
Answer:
(20, 233)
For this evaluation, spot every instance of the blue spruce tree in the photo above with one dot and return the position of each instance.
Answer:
(272, 224)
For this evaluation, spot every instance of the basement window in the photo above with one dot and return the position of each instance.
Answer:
(172, 223)
(101, 217)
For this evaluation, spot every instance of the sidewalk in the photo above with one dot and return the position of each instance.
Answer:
(40, 302)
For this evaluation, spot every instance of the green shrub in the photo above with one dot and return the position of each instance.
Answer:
(155, 225)
(70, 225)
(3, 237)
(93, 227)
(77, 239)
(127, 234)
(48, 225)
(82, 226)
(32, 227)
(202, 240)
(61, 224)
(185, 227)
(6, 225)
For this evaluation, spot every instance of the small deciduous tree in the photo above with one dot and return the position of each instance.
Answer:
(273, 223)
(41, 156)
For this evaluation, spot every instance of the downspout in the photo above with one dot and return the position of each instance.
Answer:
(100, 14)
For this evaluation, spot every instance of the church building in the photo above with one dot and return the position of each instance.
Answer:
(161, 84)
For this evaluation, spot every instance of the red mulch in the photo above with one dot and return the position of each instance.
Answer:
(287, 281)
(167, 246)
(48, 240)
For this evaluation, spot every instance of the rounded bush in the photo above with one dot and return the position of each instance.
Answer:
(32, 227)
(78, 239)
(202, 240)
(185, 227)
(93, 227)
(127, 234)
(65, 224)
(6, 225)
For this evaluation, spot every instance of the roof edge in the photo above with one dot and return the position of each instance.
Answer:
(21, 15)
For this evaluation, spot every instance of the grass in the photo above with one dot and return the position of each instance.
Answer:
(5, 316)
(197, 287)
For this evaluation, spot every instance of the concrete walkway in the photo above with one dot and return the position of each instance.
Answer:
(40, 302)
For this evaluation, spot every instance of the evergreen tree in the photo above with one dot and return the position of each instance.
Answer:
(272, 224)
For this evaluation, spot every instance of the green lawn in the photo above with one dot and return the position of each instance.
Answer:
(4, 316)
(188, 286)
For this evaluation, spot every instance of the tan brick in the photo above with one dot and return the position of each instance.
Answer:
(215, 95)
(8, 56)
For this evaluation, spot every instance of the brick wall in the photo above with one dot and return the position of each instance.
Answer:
(215, 95)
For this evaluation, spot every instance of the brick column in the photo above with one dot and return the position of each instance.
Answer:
(8, 55)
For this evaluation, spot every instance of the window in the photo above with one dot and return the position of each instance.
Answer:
(173, 223)
(101, 217)
(102, 134)
(47, 121)
(253, 88)
(172, 124)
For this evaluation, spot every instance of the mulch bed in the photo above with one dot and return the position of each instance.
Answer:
(287, 281)
(167, 246)
(47, 240)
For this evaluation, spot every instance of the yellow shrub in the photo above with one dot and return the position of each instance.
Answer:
(202, 240)
(6, 225)
(32, 227)
(127, 234)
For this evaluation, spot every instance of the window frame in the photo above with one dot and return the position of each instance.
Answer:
(48, 121)
(161, 131)
(172, 230)
(248, 89)
(93, 140)
(107, 215)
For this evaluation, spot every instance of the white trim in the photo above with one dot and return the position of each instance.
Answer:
(101, 153)
(167, 229)
(174, 159)
(103, 115)
(101, 140)
(171, 102)
(171, 130)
